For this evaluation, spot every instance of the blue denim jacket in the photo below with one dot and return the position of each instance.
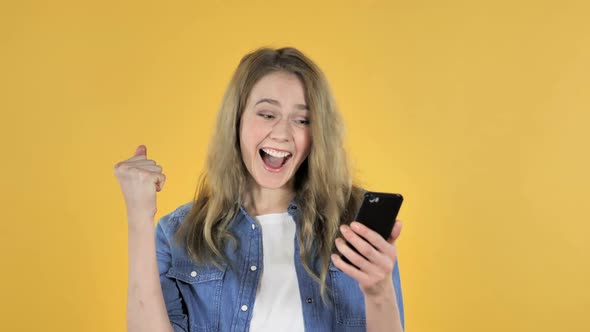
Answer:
(206, 299)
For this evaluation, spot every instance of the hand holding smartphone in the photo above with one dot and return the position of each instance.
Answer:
(378, 212)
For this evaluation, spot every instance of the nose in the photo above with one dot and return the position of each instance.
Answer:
(281, 130)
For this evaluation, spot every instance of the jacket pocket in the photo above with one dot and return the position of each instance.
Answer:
(349, 301)
(200, 288)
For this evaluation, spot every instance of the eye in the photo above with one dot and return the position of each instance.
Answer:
(266, 116)
(303, 122)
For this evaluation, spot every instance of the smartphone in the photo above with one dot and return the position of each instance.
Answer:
(378, 212)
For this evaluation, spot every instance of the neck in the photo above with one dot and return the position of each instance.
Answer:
(258, 200)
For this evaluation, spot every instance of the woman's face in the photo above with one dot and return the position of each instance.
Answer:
(275, 137)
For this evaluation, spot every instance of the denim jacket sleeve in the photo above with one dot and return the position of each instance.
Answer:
(172, 298)
(398, 293)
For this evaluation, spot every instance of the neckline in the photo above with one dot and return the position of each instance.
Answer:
(268, 215)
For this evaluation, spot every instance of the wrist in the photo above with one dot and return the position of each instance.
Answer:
(139, 222)
(385, 296)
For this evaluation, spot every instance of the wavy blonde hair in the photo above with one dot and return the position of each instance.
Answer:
(324, 185)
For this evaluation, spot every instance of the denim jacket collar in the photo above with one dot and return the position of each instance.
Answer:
(292, 209)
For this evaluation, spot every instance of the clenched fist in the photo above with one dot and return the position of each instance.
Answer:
(140, 178)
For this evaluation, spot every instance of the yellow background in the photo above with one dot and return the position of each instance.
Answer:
(476, 111)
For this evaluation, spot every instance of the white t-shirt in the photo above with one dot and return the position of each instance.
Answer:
(277, 306)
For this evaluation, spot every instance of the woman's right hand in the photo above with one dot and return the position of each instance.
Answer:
(140, 178)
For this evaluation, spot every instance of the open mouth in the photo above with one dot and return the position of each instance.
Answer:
(274, 159)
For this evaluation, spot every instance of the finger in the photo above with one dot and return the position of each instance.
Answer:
(370, 235)
(137, 163)
(395, 232)
(160, 180)
(152, 168)
(141, 150)
(140, 153)
(365, 248)
(161, 184)
(140, 162)
(355, 258)
(353, 272)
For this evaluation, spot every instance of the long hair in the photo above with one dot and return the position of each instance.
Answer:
(324, 185)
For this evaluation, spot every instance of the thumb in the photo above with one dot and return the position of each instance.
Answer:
(141, 150)
(395, 232)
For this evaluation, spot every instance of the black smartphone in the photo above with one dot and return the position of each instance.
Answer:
(378, 212)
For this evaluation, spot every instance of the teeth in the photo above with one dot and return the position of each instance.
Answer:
(277, 154)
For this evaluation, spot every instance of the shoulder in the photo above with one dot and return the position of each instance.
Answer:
(170, 222)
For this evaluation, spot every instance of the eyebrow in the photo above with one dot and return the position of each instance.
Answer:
(276, 102)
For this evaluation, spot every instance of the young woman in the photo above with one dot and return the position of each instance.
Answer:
(259, 246)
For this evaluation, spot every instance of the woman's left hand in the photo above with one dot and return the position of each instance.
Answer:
(374, 272)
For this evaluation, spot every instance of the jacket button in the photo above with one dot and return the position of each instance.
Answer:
(194, 274)
(244, 307)
(309, 300)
